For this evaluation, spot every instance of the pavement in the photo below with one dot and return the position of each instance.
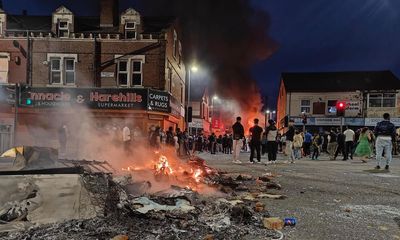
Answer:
(330, 199)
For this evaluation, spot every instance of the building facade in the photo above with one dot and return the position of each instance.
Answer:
(200, 112)
(367, 96)
(120, 68)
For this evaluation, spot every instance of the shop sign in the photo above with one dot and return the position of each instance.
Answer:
(92, 98)
(159, 101)
(327, 121)
(371, 122)
(353, 108)
(196, 123)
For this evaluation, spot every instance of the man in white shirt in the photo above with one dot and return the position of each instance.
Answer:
(126, 138)
(349, 143)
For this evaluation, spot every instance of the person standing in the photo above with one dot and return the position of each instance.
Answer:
(332, 144)
(62, 139)
(255, 141)
(219, 144)
(341, 145)
(212, 139)
(349, 137)
(297, 144)
(170, 137)
(272, 144)
(238, 135)
(385, 133)
(126, 138)
(307, 143)
(316, 146)
(363, 149)
(289, 140)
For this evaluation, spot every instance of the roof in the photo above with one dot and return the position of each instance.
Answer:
(156, 24)
(83, 24)
(340, 81)
(27, 22)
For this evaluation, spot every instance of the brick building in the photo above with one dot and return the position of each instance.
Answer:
(367, 96)
(133, 63)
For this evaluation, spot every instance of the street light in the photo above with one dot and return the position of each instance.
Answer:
(266, 117)
(214, 98)
(273, 115)
(194, 69)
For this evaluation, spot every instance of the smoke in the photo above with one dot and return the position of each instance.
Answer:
(227, 37)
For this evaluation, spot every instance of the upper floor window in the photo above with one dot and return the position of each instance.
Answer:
(63, 28)
(180, 54)
(62, 70)
(130, 72)
(4, 60)
(130, 30)
(305, 106)
(1, 28)
(175, 44)
(382, 100)
(182, 89)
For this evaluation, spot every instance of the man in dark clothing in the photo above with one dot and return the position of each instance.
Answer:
(212, 140)
(307, 143)
(238, 135)
(341, 145)
(332, 144)
(170, 137)
(385, 133)
(225, 143)
(289, 140)
(255, 142)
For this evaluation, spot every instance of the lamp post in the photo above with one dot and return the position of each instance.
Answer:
(214, 98)
(194, 69)
(273, 115)
(267, 117)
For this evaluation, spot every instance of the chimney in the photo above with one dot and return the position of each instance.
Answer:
(109, 13)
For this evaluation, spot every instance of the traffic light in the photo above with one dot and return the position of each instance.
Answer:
(340, 108)
(190, 114)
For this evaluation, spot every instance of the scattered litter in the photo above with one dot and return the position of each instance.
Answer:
(144, 205)
(337, 200)
(120, 237)
(290, 222)
(273, 223)
(272, 196)
(383, 228)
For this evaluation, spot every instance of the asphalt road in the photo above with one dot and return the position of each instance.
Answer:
(330, 199)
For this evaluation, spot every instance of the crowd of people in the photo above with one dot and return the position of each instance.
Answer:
(363, 143)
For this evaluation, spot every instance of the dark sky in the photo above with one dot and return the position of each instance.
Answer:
(313, 35)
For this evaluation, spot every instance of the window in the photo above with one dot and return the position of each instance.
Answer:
(1, 28)
(175, 47)
(170, 80)
(382, 100)
(123, 73)
(180, 54)
(182, 94)
(130, 30)
(305, 106)
(62, 69)
(63, 29)
(4, 59)
(137, 73)
(69, 71)
(319, 108)
(55, 71)
(332, 106)
(130, 72)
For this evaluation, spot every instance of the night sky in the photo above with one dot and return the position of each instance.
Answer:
(313, 35)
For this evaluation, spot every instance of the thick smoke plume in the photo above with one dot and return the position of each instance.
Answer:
(227, 37)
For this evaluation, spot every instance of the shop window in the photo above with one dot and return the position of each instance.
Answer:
(130, 30)
(305, 106)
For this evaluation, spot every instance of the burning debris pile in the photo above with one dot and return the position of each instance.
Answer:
(194, 201)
